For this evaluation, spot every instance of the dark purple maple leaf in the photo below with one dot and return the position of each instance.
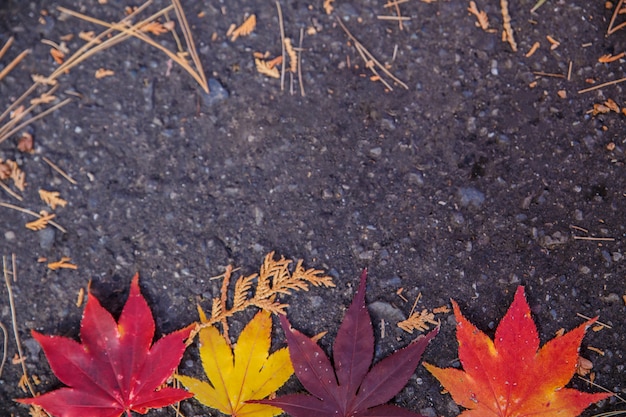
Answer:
(349, 388)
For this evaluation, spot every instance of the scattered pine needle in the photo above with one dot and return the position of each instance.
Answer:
(59, 170)
(597, 322)
(605, 59)
(618, 10)
(370, 61)
(32, 213)
(599, 86)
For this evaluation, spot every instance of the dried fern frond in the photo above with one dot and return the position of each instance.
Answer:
(273, 279)
(419, 321)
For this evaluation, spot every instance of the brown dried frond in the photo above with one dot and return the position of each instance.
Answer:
(63, 263)
(267, 68)
(41, 222)
(155, 28)
(242, 288)
(244, 29)
(273, 279)
(419, 321)
(482, 21)
(9, 169)
(45, 98)
(52, 199)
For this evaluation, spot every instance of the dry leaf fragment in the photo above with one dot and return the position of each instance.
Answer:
(57, 55)
(265, 68)
(245, 29)
(583, 366)
(40, 79)
(553, 42)
(25, 143)
(41, 222)
(52, 199)
(441, 310)
(533, 49)
(81, 297)
(45, 98)
(17, 113)
(88, 36)
(482, 21)
(328, 6)
(9, 169)
(155, 28)
(63, 263)
(611, 104)
(605, 59)
(102, 72)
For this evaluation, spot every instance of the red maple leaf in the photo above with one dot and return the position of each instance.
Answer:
(510, 376)
(349, 388)
(116, 368)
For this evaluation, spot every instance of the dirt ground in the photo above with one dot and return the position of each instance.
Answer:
(480, 176)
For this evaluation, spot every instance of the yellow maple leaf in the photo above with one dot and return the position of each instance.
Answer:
(247, 372)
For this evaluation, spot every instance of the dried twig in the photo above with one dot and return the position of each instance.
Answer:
(59, 170)
(612, 29)
(281, 25)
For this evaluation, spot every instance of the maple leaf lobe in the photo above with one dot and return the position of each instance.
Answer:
(115, 368)
(511, 375)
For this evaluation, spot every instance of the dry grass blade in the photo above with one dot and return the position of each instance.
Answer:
(5, 347)
(370, 61)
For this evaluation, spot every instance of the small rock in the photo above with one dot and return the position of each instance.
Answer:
(46, 238)
(376, 152)
(471, 196)
(216, 94)
(383, 310)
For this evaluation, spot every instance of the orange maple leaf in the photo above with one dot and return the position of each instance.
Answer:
(510, 376)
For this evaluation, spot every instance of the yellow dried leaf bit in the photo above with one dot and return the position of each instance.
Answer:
(63, 263)
(52, 199)
(419, 321)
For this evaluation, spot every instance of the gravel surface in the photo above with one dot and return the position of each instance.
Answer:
(477, 178)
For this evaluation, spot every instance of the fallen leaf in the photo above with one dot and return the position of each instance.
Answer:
(115, 368)
(510, 376)
(351, 387)
(267, 68)
(248, 372)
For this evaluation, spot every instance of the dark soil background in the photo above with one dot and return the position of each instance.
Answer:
(466, 185)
